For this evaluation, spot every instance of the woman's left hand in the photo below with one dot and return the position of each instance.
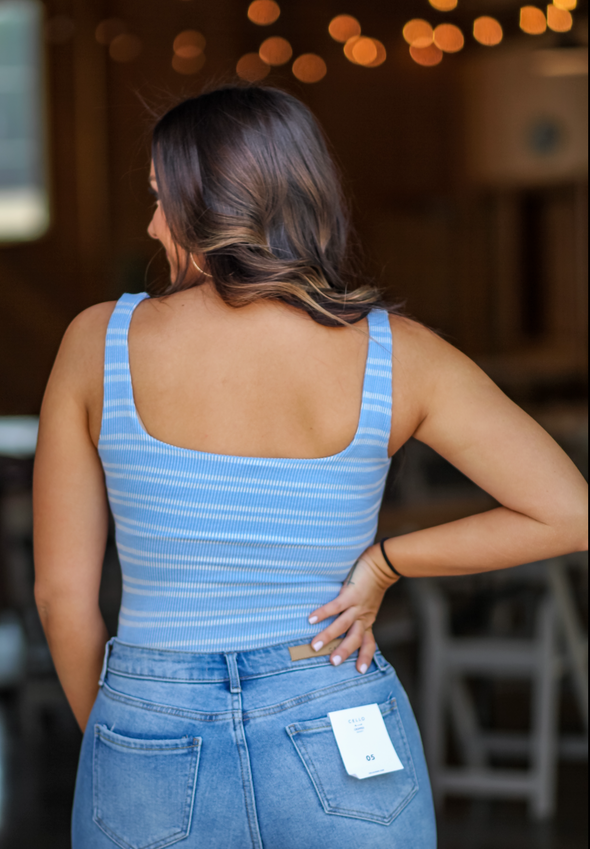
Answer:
(356, 608)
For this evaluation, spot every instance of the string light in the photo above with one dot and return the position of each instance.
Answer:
(444, 5)
(348, 47)
(251, 68)
(275, 50)
(364, 51)
(488, 31)
(189, 44)
(533, 20)
(381, 54)
(343, 27)
(125, 48)
(264, 12)
(449, 38)
(418, 32)
(309, 68)
(559, 20)
(427, 56)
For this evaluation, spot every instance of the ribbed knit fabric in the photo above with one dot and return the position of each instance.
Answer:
(226, 553)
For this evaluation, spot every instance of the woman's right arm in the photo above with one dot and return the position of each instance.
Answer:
(443, 399)
(71, 513)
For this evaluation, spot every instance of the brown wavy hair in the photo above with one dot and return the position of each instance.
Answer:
(245, 179)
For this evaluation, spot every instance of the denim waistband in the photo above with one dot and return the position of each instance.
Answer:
(201, 667)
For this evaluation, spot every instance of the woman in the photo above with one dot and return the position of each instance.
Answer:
(241, 422)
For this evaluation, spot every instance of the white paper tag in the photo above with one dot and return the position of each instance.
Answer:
(364, 743)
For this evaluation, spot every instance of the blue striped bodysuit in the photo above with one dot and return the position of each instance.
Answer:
(227, 553)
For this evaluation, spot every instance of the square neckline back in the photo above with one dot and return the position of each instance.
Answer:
(375, 321)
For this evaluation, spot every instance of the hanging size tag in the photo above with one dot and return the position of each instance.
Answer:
(364, 743)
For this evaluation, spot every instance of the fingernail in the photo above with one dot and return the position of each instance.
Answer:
(364, 668)
(337, 660)
(317, 646)
(312, 620)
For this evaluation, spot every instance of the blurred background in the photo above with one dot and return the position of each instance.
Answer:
(461, 130)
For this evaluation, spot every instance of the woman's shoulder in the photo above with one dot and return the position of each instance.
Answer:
(89, 324)
(421, 348)
(76, 378)
(426, 368)
(416, 348)
(80, 357)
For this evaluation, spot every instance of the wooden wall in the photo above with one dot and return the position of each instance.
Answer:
(396, 132)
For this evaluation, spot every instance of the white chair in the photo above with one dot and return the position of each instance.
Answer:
(558, 645)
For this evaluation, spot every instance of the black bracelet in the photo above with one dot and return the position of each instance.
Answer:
(387, 560)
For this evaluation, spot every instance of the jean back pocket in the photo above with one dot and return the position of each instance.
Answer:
(144, 789)
(379, 799)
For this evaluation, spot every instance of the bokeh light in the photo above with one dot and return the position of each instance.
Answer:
(109, 29)
(425, 41)
(125, 47)
(251, 68)
(427, 56)
(309, 68)
(275, 50)
(264, 12)
(364, 51)
(418, 32)
(449, 38)
(533, 20)
(444, 5)
(348, 48)
(189, 44)
(59, 29)
(570, 5)
(188, 64)
(343, 27)
(488, 31)
(559, 20)
(381, 54)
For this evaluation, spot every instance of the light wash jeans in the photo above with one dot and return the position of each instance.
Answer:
(236, 751)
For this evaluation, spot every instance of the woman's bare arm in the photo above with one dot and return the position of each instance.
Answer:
(71, 515)
(471, 423)
(444, 400)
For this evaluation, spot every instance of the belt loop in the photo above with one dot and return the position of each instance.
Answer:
(380, 662)
(107, 651)
(234, 676)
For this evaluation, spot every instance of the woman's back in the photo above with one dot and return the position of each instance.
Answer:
(261, 381)
(227, 536)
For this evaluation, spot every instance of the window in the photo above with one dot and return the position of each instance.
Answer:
(24, 207)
